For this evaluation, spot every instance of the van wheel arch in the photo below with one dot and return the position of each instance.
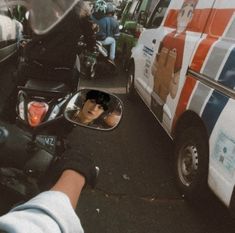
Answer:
(187, 119)
(191, 156)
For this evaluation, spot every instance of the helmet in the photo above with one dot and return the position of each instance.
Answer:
(100, 6)
(110, 8)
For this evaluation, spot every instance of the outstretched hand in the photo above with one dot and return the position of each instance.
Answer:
(72, 160)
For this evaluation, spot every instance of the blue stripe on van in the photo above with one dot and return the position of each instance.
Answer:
(213, 109)
(227, 76)
(148, 50)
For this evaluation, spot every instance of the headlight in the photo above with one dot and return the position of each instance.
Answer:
(36, 112)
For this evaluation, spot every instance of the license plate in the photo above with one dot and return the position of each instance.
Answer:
(46, 142)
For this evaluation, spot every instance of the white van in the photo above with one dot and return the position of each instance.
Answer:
(184, 70)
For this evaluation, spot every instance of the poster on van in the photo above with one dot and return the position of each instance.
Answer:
(168, 61)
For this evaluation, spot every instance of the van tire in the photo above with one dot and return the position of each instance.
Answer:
(130, 88)
(191, 163)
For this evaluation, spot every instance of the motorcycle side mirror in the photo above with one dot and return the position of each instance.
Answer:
(94, 109)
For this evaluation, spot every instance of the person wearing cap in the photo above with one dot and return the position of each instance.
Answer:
(109, 30)
(99, 12)
(95, 104)
(168, 61)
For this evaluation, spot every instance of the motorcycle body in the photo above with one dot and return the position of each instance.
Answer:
(43, 96)
(45, 109)
(95, 63)
(40, 108)
(48, 135)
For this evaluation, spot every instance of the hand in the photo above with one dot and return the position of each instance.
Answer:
(174, 84)
(163, 71)
(72, 160)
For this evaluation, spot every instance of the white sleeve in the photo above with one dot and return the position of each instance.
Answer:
(49, 211)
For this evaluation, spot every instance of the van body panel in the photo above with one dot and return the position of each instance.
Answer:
(143, 55)
(193, 70)
(185, 43)
(222, 159)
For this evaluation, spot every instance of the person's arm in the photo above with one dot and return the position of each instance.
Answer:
(53, 211)
(50, 211)
(71, 184)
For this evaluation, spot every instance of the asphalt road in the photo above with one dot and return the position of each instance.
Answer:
(136, 191)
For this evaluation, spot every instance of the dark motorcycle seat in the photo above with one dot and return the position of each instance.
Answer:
(46, 86)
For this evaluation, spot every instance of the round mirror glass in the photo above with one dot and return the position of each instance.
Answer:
(94, 109)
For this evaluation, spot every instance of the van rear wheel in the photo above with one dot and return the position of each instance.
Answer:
(191, 162)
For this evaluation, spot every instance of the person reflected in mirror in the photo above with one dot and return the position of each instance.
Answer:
(113, 117)
(95, 104)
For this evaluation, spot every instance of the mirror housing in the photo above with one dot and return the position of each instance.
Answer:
(94, 109)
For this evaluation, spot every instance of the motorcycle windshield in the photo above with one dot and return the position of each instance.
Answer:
(45, 14)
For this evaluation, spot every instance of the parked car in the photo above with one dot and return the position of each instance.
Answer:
(134, 19)
(184, 71)
(10, 30)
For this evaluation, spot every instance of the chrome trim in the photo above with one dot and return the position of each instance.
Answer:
(212, 83)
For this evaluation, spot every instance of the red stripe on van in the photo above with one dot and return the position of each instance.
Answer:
(218, 21)
(199, 19)
(184, 98)
(221, 18)
(196, 25)
(171, 19)
(201, 53)
(216, 25)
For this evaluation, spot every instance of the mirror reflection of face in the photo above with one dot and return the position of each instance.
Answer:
(90, 111)
(94, 109)
(185, 16)
(112, 119)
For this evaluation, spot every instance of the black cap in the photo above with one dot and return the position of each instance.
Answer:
(100, 97)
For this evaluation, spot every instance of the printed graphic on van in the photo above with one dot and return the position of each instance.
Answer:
(168, 61)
